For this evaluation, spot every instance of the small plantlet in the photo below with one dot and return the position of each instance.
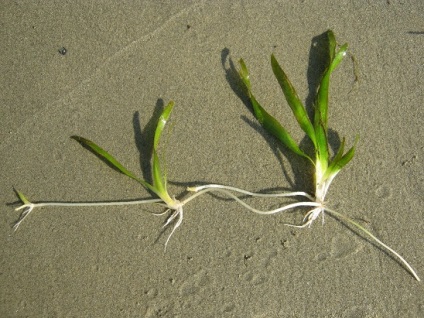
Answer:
(158, 187)
(326, 168)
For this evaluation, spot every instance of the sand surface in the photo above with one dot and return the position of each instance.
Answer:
(122, 64)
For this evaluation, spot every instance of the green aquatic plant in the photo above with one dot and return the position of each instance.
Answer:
(326, 167)
(158, 187)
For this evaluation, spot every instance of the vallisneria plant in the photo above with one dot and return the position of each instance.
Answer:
(326, 168)
(158, 187)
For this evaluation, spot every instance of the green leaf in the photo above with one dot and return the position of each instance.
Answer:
(244, 75)
(266, 120)
(293, 100)
(22, 197)
(339, 57)
(108, 158)
(159, 179)
(347, 157)
(275, 128)
(321, 108)
(162, 122)
(339, 160)
(322, 145)
(331, 44)
(339, 153)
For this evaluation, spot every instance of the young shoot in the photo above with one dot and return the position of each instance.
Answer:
(158, 187)
(326, 168)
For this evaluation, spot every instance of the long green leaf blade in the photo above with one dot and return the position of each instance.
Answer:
(244, 74)
(108, 158)
(159, 179)
(322, 145)
(321, 110)
(275, 128)
(162, 122)
(321, 104)
(293, 100)
(266, 120)
(331, 44)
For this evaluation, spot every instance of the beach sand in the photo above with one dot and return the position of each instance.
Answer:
(121, 64)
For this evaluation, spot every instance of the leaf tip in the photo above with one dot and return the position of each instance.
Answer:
(77, 138)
